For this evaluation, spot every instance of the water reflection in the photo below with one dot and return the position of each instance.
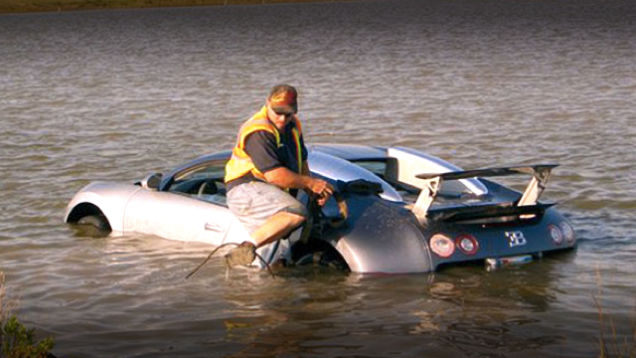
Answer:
(488, 311)
(473, 311)
(272, 316)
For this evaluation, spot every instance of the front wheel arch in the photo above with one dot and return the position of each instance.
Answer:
(89, 214)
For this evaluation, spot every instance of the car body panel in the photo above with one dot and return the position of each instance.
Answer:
(407, 163)
(328, 166)
(518, 238)
(181, 217)
(367, 248)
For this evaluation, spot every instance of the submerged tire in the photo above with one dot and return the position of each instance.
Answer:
(326, 259)
(93, 226)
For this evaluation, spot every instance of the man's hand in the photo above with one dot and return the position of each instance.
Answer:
(321, 189)
(285, 178)
(244, 254)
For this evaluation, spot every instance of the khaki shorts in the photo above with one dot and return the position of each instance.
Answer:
(255, 202)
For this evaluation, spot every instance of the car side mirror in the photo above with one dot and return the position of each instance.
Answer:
(152, 181)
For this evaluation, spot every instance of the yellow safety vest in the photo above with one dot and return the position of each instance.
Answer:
(240, 163)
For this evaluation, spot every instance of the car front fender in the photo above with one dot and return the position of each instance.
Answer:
(109, 198)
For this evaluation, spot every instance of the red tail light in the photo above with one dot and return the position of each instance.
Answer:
(467, 244)
(442, 245)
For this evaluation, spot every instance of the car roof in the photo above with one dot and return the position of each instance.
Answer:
(351, 152)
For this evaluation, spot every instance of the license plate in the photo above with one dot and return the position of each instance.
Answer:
(494, 263)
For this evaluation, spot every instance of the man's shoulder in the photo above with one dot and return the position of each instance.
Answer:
(261, 135)
(259, 140)
(259, 126)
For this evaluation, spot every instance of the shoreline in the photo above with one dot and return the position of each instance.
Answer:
(17, 6)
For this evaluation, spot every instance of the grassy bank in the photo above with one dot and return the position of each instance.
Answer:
(9, 6)
(16, 340)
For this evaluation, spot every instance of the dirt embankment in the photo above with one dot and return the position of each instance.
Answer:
(8, 6)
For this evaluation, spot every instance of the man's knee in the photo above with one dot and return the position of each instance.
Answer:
(297, 209)
(291, 218)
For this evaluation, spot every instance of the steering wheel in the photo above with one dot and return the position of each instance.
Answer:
(207, 187)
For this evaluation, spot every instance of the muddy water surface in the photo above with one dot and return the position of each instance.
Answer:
(114, 95)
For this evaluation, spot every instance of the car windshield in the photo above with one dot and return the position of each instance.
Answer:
(203, 181)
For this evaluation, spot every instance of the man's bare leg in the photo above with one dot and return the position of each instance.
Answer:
(276, 227)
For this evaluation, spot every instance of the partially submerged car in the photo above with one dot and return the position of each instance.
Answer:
(398, 210)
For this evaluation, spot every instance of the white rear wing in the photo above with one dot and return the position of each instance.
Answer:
(540, 175)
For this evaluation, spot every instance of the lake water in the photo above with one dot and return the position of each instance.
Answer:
(114, 95)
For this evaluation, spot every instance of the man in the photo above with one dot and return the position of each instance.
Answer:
(268, 164)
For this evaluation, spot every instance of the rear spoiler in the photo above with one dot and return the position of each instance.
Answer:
(540, 174)
(491, 213)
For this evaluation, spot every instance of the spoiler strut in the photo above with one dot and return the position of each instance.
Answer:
(433, 182)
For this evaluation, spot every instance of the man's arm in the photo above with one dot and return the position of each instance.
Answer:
(285, 178)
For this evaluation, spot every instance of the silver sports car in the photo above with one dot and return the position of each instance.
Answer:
(397, 210)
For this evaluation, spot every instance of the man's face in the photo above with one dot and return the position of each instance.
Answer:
(279, 120)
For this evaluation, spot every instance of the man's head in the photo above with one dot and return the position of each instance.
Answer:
(282, 104)
(282, 99)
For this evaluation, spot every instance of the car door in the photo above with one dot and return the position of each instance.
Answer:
(192, 208)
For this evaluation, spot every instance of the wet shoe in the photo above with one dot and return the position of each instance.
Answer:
(242, 255)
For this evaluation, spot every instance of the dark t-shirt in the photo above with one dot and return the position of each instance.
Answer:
(262, 149)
